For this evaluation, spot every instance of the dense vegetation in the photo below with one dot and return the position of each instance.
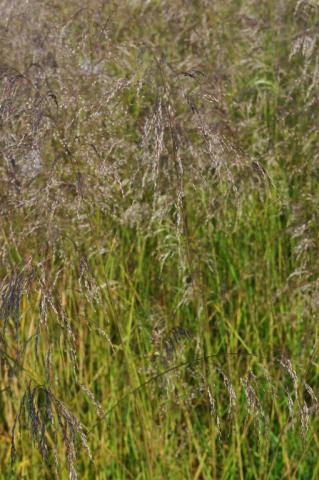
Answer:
(159, 269)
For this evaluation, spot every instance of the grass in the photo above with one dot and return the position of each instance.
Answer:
(158, 240)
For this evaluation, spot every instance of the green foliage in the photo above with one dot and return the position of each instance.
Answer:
(158, 239)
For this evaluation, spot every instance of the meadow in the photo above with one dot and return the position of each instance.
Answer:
(159, 269)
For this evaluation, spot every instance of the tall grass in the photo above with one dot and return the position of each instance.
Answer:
(159, 239)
